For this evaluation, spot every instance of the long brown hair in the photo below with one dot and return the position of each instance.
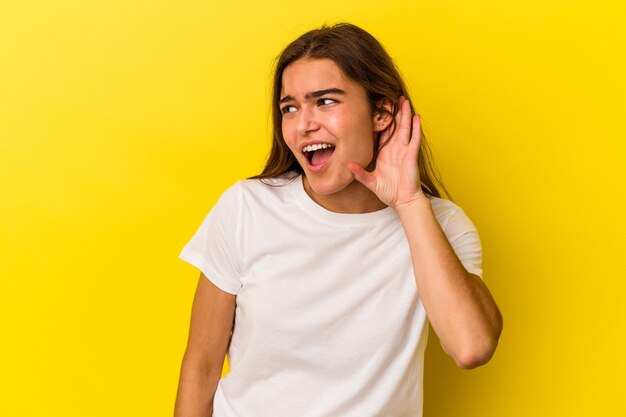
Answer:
(363, 59)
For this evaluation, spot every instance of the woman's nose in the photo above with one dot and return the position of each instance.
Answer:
(307, 121)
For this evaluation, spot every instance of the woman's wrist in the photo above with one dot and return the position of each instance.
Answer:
(419, 202)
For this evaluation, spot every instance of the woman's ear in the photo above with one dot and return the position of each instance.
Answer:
(383, 115)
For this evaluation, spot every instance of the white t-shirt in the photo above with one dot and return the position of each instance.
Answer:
(328, 321)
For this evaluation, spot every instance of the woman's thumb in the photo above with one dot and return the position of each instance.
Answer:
(366, 178)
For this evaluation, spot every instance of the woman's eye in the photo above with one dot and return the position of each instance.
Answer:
(288, 109)
(324, 101)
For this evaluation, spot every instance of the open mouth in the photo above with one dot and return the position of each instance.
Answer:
(319, 153)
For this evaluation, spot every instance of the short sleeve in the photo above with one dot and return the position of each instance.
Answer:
(215, 248)
(465, 241)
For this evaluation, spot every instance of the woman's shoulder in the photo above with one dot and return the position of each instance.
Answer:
(441, 204)
(445, 210)
(278, 181)
(266, 185)
(260, 189)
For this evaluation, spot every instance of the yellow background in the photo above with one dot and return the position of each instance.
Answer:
(121, 122)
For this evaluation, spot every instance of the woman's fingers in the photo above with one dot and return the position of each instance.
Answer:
(402, 132)
(416, 135)
(405, 122)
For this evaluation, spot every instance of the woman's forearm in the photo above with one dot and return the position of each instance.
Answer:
(196, 390)
(458, 304)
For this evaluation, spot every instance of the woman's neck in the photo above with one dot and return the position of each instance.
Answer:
(354, 199)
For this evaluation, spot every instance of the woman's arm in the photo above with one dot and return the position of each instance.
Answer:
(212, 317)
(458, 304)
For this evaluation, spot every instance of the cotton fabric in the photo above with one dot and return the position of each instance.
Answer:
(328, 320)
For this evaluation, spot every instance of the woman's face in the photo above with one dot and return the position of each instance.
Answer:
(325, 110)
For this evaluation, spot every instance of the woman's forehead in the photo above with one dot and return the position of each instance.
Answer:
(308, 75)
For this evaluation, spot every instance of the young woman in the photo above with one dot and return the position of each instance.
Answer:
(328, 266)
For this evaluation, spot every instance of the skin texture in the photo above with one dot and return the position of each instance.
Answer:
(458, 304)
(344, 120)
(212, 317)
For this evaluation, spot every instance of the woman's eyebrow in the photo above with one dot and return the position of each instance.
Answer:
(315, 94)
(320, 93)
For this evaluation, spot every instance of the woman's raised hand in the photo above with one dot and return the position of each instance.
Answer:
(395, 180)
